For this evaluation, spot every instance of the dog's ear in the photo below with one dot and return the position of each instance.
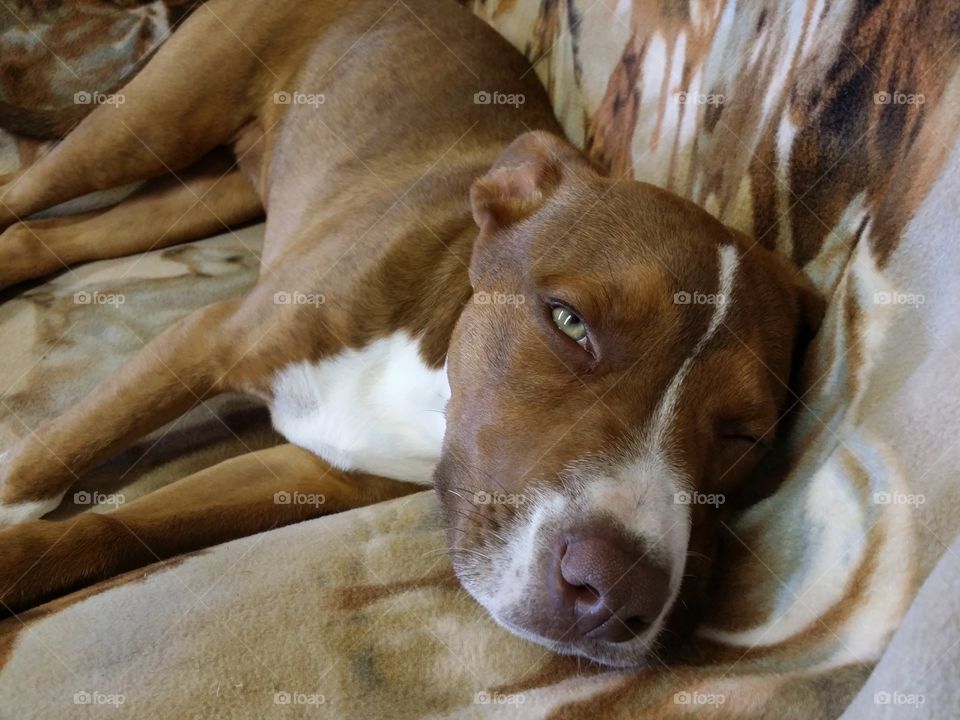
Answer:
(812, 308)
(791, 282)
(522, 179)
(810, 305)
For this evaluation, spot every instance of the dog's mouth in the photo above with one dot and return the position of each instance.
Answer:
(562, 569)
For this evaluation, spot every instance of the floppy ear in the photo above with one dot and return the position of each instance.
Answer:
(812, 308)
(522, 179)
(810, 305)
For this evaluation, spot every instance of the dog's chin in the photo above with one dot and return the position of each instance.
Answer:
(634, 654)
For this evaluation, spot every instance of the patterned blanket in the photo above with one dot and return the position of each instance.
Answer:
(829, 131)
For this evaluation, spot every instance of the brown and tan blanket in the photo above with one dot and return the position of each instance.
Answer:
(829, 131)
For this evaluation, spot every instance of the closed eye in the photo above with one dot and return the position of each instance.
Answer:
(746, 440)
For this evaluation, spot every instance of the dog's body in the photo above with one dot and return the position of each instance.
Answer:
(361, 135)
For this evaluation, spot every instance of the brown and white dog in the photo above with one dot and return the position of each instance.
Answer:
(449, 292)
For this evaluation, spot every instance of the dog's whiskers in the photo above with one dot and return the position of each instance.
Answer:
(481, 529)
(469, 551)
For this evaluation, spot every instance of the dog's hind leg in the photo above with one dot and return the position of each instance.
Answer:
(202, 86)
(208, 198)
(187, 363)
(238, 497)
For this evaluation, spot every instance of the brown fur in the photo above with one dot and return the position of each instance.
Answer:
(369, 203)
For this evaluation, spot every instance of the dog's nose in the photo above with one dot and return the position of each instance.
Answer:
(614, 593)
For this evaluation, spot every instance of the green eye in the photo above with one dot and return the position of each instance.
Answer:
(570, 325)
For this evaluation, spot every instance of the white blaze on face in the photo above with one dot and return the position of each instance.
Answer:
(729, 258)
(638, 490)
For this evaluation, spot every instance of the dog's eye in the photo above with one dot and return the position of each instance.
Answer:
(570, 324)
(744, 440)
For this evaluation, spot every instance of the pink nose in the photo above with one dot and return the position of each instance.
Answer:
(611, 591)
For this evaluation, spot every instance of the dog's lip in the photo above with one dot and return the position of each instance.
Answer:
(612, 620)
(595, 654)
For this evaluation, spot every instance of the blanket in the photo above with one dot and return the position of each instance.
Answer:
(827, 131)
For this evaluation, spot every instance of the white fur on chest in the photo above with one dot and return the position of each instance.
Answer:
(377, 410)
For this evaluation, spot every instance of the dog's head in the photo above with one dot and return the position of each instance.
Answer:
(620, 372)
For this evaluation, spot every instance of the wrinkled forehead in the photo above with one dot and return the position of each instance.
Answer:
(635, 254)
(630, 231)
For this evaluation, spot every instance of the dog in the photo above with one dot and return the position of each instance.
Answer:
(450, 293)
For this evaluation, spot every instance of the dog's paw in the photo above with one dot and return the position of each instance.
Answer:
(7, 216)
(13, 511)
(18, 246)
(33, 563)
(25, 511)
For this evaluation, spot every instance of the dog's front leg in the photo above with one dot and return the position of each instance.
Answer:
(208, 198)
(178, 369)
(238, 497)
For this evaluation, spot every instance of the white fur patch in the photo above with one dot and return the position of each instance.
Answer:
(98, 200)
(378, 410)
(16, 513)
(728, 259)
(26, 511)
